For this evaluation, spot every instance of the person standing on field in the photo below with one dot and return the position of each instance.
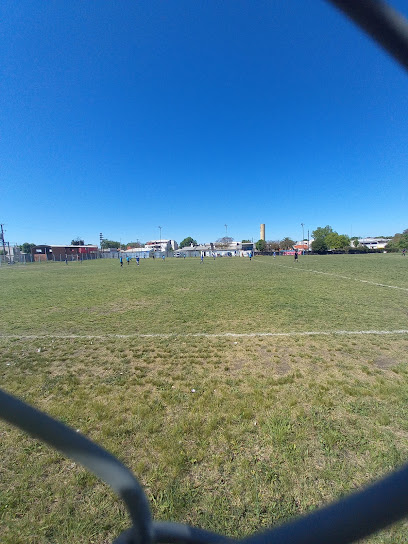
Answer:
(121, 261)
(296, 256)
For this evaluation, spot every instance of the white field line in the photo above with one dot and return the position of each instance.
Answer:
(300, 269)
(199, 335)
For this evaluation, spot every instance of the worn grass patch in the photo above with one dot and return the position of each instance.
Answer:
(272, 430)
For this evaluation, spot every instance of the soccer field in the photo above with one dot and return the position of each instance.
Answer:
(228, 295)
(241, 393)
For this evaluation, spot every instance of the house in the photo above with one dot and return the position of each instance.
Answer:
(60, 253)
(303, 246)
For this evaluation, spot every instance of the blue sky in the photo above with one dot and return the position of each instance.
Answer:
(118, 117)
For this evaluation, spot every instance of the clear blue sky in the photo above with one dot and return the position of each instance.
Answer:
(117, 117)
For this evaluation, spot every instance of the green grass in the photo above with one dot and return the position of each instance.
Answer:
(276, 426)
(226, 295)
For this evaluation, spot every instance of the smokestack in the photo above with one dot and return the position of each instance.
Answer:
(262, 237)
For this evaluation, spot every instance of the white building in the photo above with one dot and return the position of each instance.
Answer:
(162, 245)
(374, 243)
(234, 249)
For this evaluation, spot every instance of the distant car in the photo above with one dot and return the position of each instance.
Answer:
(177, 254)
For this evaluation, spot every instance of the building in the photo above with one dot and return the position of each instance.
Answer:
(374, 243)
(141, 252)
(162, 245)
(303, 246)
(60, 253)
(234, 249)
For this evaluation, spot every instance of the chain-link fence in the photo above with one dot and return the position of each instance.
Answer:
(17, 258)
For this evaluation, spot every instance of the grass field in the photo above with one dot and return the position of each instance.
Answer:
(277, 424)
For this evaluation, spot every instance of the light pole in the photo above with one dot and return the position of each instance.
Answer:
(226, 230)
(303, 231)
(159, 227)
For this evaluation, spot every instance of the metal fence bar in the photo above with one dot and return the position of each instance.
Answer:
(341, 523)
(81, 449)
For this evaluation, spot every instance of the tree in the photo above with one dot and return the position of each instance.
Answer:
(337, 241)
(224, 241)
(332, 240)
(261, 245)
(344, 241)
(27, 247)
(322, 232)
(188, 242)
(133, 244)
(399, 241)
(246, 242)
(77, 242)
(287, 243)
(272, 245)
(107, 244)
(319, 245)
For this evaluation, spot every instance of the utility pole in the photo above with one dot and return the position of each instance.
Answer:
(226, 230)
(303, 231)
(2, 240)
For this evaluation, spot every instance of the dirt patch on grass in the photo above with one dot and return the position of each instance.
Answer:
(238, 364)
(385, 362)
(282, 368)
(120, 307)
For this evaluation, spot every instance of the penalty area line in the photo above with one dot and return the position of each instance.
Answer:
(200, 335)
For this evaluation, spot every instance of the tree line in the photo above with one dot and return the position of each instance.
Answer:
(398, 242)
(324, 239)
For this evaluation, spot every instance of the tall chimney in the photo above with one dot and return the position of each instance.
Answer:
(262, 237)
